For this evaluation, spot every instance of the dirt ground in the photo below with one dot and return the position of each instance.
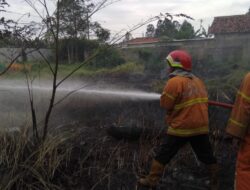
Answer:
(108, 163)
(114, 162)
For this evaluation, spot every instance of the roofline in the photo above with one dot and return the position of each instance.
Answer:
(230, 16)
(144, 41)
(143, 37)
(231, 32)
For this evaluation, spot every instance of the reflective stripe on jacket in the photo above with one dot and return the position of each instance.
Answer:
(185, 99)
(242, 175)
(240, 116)
(238, 126)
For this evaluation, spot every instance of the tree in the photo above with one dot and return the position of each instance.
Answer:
(166, 28)
(128, 36)
(248, 13)
(53, 25)
(76, 25)
(102, 34)
(150, 30)
(73, 18)
(3, 3)
(202, 32)
(56, 27)
(5, 31)
(186, 31)
(37, 165)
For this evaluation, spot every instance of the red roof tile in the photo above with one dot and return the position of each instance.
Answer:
(143, 40)
(230, 24)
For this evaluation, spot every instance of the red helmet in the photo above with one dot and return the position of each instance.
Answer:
(180, 59)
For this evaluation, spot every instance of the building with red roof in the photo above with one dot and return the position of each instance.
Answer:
(143, 41)
(230, 24)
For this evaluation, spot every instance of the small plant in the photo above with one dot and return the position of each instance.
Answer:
(108, 58)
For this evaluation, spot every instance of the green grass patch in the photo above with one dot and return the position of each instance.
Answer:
(42, 70)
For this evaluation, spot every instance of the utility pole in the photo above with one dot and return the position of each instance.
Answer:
(87, 25)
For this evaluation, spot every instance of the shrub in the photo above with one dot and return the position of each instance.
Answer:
(152, 60)
(74, 50)
(108, 58)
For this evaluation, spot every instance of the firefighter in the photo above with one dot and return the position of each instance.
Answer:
(238, 127)
(186, 102)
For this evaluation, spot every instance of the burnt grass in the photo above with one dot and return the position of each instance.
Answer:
(85, 153)
(114, 161)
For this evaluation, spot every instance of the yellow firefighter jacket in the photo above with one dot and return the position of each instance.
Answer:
(240, 116)
(238, 126)
(185, 99)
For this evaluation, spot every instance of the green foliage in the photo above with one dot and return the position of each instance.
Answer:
(126, 69)
(73, 50)
(145, 55)
(222, 76)
(75, 20)
(130, 67)
(154, 65)
(150, 30)
(128, 36)
(108, 57)
(186, 31)
(151, 60)
(228, 80)
(101, 33)
(166, 28)
(169, 29)
(42, 71)
(201, 32)
(248, 12)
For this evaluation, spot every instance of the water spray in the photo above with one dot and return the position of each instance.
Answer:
(107, 92)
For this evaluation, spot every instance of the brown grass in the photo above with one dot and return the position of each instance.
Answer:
(80, 157)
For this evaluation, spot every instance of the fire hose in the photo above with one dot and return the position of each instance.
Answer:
(134, 133)
(220, 104)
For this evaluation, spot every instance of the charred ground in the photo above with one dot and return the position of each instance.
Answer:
(81, 153)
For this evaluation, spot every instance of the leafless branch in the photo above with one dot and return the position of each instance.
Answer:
(47, 61)
(51, 104)
(149, 20)
(70, 93)
(101, 6)
(33, 112)
(114, 41)
(78, 67)
(15, 59)
(48, 19)
(53, 25)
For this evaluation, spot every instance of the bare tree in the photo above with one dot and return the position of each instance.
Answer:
(52, 23)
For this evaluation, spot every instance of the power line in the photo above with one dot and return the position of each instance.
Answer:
(17, 13)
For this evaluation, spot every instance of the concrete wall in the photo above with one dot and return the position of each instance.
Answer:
(222, 48)
(8, 54)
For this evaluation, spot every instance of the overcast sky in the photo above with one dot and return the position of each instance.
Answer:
(124, 14)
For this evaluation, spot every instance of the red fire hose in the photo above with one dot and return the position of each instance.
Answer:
(224, 105)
